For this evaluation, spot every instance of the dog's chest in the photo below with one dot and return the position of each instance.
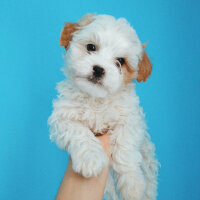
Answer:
(100, 116)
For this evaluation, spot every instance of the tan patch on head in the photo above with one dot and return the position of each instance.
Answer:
(71, 28)
(145, 68)
(128, 72)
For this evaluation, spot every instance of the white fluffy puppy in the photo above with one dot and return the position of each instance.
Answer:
(103, 56)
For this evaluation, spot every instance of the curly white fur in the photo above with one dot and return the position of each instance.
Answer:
(84, 108)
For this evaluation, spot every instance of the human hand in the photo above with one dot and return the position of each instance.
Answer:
(105, 142)
(75, 186)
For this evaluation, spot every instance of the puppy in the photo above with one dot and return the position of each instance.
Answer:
(103, 56)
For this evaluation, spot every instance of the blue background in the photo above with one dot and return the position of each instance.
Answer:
(31, 167)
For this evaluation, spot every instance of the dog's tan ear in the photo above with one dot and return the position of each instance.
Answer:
(145, 67)
(66, 34)
(70, 28)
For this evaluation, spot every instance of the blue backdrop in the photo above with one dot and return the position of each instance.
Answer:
(31, 167)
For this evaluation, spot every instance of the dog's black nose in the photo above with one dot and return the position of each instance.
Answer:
(98, 71)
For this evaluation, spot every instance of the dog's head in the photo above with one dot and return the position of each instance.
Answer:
(104, 54)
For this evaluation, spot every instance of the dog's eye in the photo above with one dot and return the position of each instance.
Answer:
(121, 60)
(91, 47)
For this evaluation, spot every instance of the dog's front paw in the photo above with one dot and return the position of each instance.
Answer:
(89, 164)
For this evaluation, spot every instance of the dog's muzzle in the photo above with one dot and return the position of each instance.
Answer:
(98, 73)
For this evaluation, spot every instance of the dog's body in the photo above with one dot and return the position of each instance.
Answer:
(100, 102)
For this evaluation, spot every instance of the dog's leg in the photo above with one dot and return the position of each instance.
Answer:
(110, 189)
(126, 162)
(149, 167)
(88, 156)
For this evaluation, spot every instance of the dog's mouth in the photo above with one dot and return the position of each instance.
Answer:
(91, 79)
(95, 80)
(92, 85)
